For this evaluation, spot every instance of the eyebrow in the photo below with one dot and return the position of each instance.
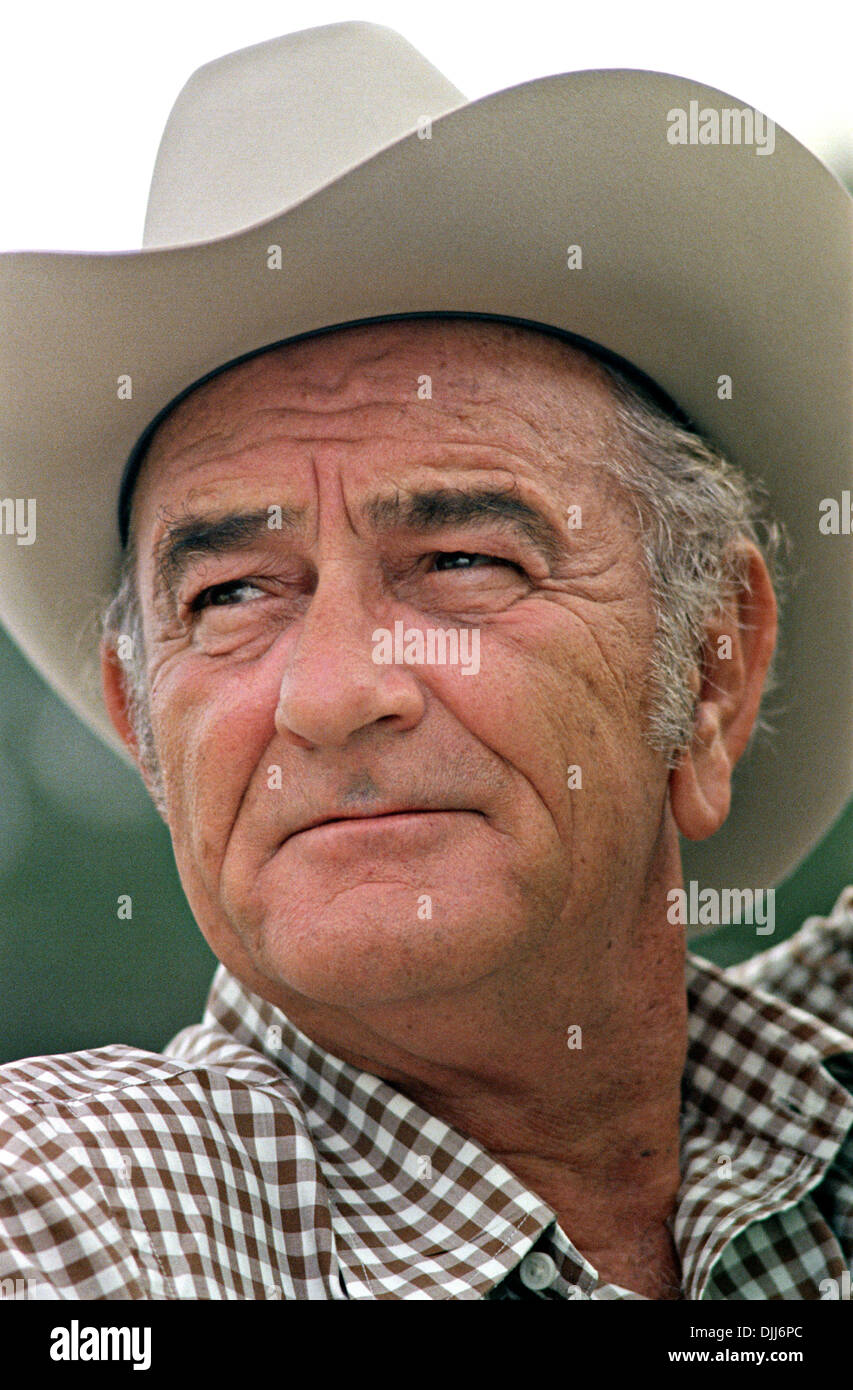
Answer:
(198, 536)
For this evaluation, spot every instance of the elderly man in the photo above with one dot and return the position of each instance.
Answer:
(432, 635)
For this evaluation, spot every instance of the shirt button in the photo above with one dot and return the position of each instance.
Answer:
(537, 1271)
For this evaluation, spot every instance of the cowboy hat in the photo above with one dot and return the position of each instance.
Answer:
(334, 176)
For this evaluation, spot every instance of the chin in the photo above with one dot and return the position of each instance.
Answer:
(356, 953)
(351, 920)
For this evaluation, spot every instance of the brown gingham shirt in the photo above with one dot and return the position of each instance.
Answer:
(245, 1162)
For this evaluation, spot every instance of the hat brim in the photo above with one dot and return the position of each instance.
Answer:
(697, 262)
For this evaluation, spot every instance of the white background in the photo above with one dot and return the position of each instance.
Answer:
(85, 89)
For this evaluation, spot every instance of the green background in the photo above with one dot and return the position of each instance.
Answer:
(77, 830)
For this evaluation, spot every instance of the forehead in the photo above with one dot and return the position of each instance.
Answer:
(458, 381)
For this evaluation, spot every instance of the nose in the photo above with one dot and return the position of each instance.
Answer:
(331, 687)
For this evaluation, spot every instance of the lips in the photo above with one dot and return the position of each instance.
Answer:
(362, 815)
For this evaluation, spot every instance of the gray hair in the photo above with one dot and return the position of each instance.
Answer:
(122, 618)
(695, 509)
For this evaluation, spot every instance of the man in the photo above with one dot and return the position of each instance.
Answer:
(433, 633)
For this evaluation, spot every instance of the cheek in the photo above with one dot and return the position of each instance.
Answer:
(537, 687)
(516, 710)
(211, 731)
(563, 702)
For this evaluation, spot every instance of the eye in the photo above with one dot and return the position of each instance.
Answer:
(469, 558)
(221, 595)
(232, 593)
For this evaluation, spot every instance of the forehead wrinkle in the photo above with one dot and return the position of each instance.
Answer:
(560, 406)
(419, 450)
(476, 413)
(535, 413)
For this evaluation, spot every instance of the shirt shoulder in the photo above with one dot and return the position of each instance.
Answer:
(106, 1154)
(813, 969)
(69, 1082)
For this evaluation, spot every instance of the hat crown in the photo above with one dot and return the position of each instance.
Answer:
(256, 131)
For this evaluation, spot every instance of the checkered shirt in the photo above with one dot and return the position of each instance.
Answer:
(246, 1162)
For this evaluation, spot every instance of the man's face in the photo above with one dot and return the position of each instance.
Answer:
(458, 845)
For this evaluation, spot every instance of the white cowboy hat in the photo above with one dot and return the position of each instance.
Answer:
(390, 194)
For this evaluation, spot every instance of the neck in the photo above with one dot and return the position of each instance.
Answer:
(592, 1130)
(575, 1090)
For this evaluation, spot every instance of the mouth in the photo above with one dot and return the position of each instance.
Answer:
(393, 813)
(405, 819)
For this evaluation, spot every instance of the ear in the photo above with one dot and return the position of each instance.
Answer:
(738, 647)
(116, 698)
(115, 692)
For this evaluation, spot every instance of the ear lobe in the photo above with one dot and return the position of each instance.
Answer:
(700, 785)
